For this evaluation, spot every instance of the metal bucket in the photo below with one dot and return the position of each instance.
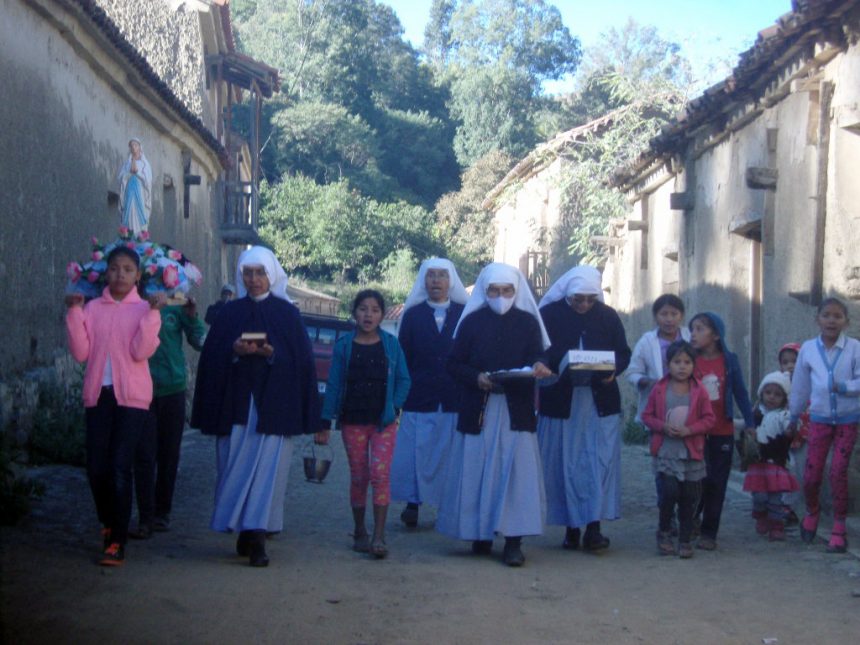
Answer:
(317, 461)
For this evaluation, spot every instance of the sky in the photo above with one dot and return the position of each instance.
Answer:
(711, 33)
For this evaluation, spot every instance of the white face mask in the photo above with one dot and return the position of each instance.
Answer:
(500, 304)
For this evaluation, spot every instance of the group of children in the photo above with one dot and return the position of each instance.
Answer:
(688, 389)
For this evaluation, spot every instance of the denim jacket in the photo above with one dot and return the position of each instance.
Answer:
(396, 384)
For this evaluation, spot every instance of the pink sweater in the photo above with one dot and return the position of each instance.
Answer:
(128, 331)
(700, 419)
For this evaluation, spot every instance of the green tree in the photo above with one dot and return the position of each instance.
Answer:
(467, 230)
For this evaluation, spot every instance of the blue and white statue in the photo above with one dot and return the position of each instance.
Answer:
(135, 188)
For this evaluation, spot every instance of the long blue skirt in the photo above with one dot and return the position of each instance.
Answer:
(252, 479)
(581, 458)
(421, 456)
(494, 482)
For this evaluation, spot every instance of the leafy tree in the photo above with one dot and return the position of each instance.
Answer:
(467, 230)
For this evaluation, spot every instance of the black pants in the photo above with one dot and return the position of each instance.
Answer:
(157, 457)
(113, 433)
(718, 460)
(684, 495)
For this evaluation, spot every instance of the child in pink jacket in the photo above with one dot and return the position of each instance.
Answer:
(679, 414)
(115, 334)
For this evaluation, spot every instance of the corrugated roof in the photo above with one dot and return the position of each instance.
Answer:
(757, 68)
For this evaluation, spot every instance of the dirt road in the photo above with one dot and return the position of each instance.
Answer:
(186, 586)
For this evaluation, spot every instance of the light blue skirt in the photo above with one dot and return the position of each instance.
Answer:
(421, 456)
(494, 481)
(581, 458)
(252, 479)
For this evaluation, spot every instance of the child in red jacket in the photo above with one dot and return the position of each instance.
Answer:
(679, 414)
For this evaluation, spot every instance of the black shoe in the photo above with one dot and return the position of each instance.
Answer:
(571, 539)
(513, 554)
(243, 544)
(161, 523)
(143, 532)
(257, 556)
(409, 516)
(594, 540)
(482, 547)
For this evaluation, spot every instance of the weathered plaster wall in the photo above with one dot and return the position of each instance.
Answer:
(64, 137)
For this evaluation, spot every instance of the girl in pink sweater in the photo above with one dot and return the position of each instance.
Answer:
(679, 414)
(115, 334)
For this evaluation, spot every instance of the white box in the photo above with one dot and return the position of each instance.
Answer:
(586, 360)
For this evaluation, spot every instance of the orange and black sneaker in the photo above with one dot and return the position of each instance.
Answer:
(105, 537)
(113, 555)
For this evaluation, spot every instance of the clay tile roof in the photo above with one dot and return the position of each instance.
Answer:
(393, 313)
(756, 69)
(110, 30)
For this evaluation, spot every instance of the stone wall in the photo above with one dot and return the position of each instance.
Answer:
(69, 111)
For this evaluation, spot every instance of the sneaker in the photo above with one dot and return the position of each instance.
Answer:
(685, 550)
(113, 555)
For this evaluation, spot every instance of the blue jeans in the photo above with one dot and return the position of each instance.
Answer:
(718, 460)
(113, 433)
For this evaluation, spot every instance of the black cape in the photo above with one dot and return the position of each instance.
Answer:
(284, 387)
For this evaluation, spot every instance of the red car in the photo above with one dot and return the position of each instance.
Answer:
(323, 332)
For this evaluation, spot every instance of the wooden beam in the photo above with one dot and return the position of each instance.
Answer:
(761, 178)
(605, 240)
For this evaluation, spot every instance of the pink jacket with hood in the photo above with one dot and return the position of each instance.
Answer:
(128, 331)
(699, 420)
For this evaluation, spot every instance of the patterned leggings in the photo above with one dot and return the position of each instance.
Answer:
(821, 437)
(369, 452)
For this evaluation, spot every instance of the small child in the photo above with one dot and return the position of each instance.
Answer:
(367, 385)
(649, 363)
(787, 358)
(768, 478)
(719, 370)
(827, 378)
(679, 414)
(115, 334)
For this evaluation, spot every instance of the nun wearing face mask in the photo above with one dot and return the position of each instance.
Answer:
(579, 427)
(430, 314)
(494, 482)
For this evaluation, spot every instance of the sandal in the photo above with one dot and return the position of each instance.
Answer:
(378, 549)
(665, 545)
(361, 543)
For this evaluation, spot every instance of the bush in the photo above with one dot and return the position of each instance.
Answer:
(16, 489)
(59, 427)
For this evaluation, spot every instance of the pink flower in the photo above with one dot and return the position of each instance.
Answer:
(149, 252)
(97, 255)
(123, 231)
(143, 236)
(152, 269)
(173, 254)
(131, 245)
(74, 271)
(93, 276)
(170, 277)
(94, 240)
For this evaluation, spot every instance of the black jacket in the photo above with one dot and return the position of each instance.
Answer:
(487, 342)
(599, 328)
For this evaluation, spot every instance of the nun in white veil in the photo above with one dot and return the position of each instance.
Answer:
(579, 424)
(255, 395)
(494, 481)
(135, 189)
(426, 334)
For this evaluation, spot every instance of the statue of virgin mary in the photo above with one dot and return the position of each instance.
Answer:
(135, 187)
